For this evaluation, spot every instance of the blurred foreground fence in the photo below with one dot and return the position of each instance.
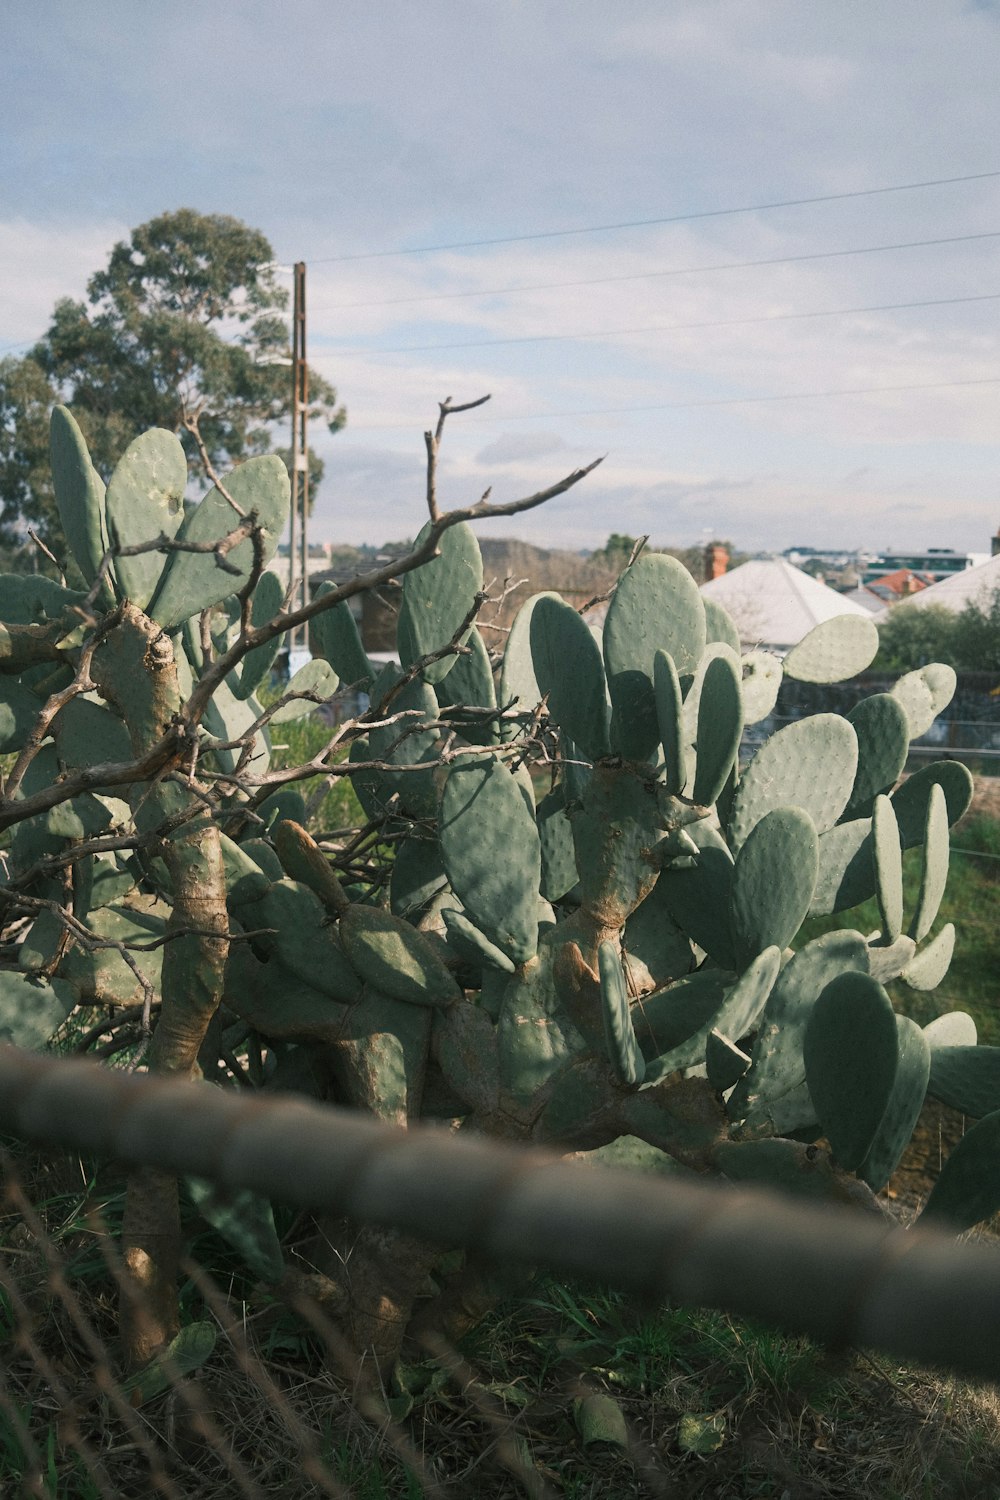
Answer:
(845, 1278)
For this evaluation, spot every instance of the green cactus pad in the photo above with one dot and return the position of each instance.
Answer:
(302, 939)
(762, 676)
(99, 976)
(834, 650)
(789, 1167)
(191, 581)
(267, 601)
(773, 1091)
(698, 898)
(417, 876)
(656, 606)
(518, 684)
(937, 850)
(968, 1189)
(619, 1036)
(245, 1220)
(746, 999)
(811, 764)
(489, 844)
(941, 681)
(883, 732)
(656, 950)
(471, 945)
(438, 596)
(851, 1054)
(87, 733)
(145, 499)
(536, 1038)
(80, 500)
(336, 636)
(669, 1018)
(19, 709)
(725, 1063)
(286, 803)
(468, 692)
(32, 1009)
(720, 727)
(568, 668)
(773, 882)
(555, 835)
(464, 1043)
(966, 1078)
(888, 868)
(887, 961)
(720, 625)
(955, 1028)
(914, 697)
(317, 678)
(903, 1109)
(406, 742)
(277, 1003)
(924, 694)
(32, 599)
(302, 859)
(669, 705)
(616, 833)
(395, 958)
(227, 719)
(380, 1060)
(910, 800)
(846, 868)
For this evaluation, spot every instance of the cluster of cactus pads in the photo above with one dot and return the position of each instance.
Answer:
(585, 937)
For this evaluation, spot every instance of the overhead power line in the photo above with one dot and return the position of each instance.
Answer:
(707, 213)
(607, 333)
(730, 265)
(609, 411)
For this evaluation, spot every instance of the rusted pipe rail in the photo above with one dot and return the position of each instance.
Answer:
(846, 1279)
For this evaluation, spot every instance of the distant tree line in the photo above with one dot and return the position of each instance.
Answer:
(968, 641)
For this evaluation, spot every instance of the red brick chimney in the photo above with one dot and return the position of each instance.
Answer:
(716, 561)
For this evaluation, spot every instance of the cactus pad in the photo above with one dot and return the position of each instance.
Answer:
(968, 1189)
(903, 1109)
(773, 882)
(489, 844)
(619, 1035)
(720, 727)
(883, 732)
(395, 958)
(966, 1078)
(851, 1054)
(145, 499)
(888, 869)
(567, 665)
(834, 650)
(811, 764)
(438, 596)
(191, 581)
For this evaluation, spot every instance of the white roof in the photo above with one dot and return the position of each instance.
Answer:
(774, 604)
(971, 586)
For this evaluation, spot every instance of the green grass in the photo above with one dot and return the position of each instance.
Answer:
(295, 743)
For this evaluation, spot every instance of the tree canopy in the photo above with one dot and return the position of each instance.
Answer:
(911, 636)
(182, 329)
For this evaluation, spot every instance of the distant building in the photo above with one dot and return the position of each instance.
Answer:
(936, 562)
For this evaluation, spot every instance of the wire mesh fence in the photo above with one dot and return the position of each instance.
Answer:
(261, 1393)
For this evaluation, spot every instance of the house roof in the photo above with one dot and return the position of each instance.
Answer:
(774, 604)
(971, 586)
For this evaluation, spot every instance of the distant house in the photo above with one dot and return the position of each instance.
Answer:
(775, 605)
(971, 586)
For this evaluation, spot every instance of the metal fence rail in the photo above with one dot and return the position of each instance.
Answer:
(844, 1278)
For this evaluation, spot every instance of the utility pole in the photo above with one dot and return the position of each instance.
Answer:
(298, 550)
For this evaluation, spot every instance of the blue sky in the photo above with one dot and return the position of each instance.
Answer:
(345, 128)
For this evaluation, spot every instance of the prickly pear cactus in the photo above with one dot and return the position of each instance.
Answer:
(571, 915)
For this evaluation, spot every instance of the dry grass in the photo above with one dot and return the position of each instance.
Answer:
(276, 1410)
